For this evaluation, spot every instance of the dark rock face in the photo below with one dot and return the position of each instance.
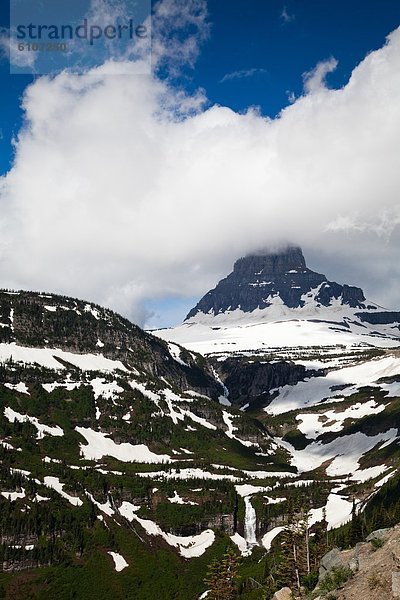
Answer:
(380, 318)
(257, 278)
(223, 522)
(249, 382)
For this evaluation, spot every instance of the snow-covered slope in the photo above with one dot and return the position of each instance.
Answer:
(263, 331)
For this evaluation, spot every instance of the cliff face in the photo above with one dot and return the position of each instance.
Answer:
(250, 382)
(257, 279)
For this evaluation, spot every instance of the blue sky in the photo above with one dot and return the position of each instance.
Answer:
(256, 55)
(262, 47)
(254, 35)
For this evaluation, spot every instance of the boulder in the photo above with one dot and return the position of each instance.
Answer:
(330, 561)
(379, 534)
(396, 584)
(354, 564)
(283, 594)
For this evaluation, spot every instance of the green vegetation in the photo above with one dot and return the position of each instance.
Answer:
(222, 577)
(377, 543)
(334, 580)
(375, 581)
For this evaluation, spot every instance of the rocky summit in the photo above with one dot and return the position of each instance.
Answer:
(259, 278)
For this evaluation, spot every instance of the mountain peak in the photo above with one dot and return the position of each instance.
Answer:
(261, 280)
(271, 263)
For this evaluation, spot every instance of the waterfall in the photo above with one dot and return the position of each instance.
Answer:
(224, 398)
(250, 520)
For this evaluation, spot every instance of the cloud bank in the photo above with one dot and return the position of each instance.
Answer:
(125, 188)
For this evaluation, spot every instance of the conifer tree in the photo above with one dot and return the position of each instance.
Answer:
(295, 558)
(319, 545)
(356, 533)
(222, 577)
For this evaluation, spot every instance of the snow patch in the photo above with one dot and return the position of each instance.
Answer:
(269, 537)
(119, 562)
(55, 484)
(18, 387)
(175, 352)
(99, 445)
(47, 357)
(345, 452)
(176, 499)
(13, 496)
(190, 546)
(42, 430)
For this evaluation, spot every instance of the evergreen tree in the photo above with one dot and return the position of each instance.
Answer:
(319, 545)
(295, 557)
(222, 577)
(356, 533)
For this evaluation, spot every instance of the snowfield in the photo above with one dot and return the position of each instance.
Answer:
(344, 453)
(47, 357)
(315, 424)
(278, 327)
(99, 445)
(313, 391)
(338, 511)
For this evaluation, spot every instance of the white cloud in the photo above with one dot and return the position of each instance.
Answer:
(242, 74)
(179, 27)
(124, 189)
(10, 51)
(314, 80)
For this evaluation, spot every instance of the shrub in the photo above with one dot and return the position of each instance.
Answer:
(335, 579)
(377, 543)
(310, 580)
(375, 581)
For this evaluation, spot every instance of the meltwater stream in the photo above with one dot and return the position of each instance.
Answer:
(249, 522)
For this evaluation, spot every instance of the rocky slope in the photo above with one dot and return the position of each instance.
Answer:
(370, 570)
(374, 567)
(109, 438)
